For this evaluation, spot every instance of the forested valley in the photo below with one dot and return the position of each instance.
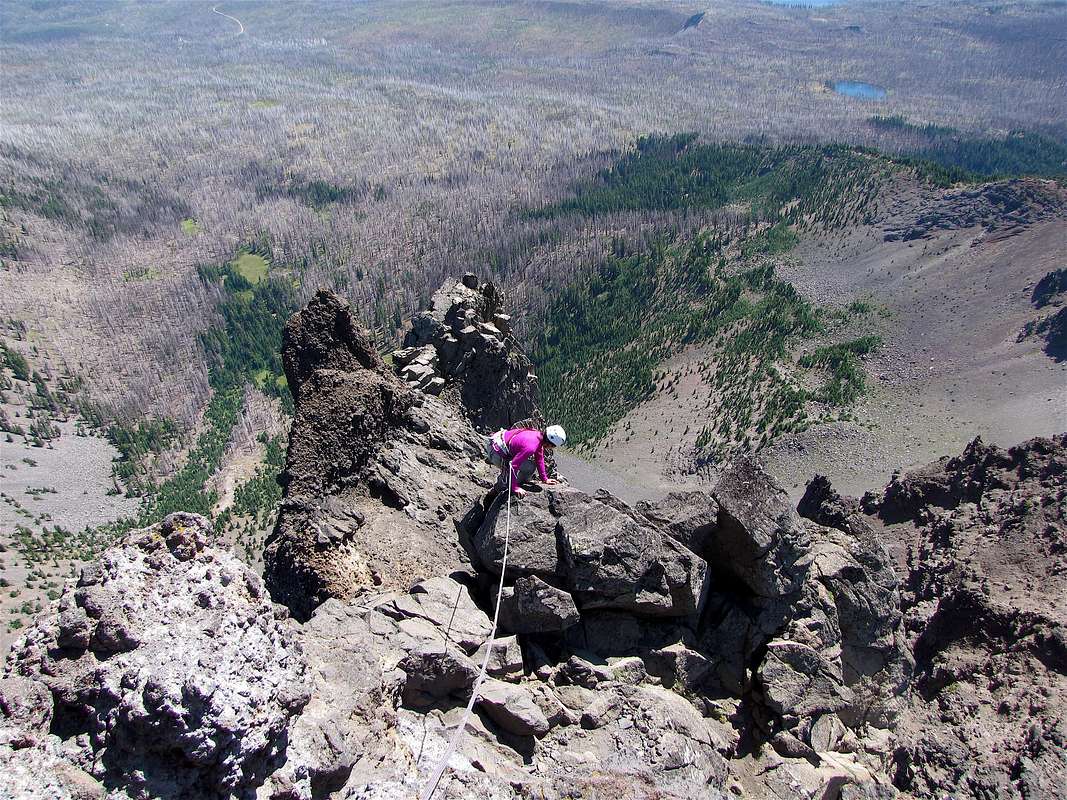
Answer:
(171, 190)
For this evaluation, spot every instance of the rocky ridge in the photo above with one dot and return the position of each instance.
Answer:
(715, 643)
(1001, 208)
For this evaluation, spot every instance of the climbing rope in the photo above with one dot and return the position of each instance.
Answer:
(453, 742)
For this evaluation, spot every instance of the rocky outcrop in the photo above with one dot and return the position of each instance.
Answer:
(606, 556)
(32, 761)
(716, 643)
(462, 347)
(377, 475)
(1002, 209)
(533, 606)
(170, 670)
(985, 616)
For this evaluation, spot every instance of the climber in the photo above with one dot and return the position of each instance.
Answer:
(515, 447)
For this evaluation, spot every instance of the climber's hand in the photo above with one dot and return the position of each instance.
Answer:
(551, 482)
(520, 492)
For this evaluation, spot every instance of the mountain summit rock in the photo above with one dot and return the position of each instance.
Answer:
(714, 643)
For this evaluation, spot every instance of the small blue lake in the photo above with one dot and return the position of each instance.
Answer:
(859, 89)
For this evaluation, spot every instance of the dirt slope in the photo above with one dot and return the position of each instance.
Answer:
(951, 273)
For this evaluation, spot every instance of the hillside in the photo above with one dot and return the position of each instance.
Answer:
(686, 209)
(886, 326)
(714, 644)
(374, 147)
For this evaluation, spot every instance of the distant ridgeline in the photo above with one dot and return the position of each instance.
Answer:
(604, 335)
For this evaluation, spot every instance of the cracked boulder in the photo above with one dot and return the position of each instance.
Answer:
(533, 606)
(797, 681)
(760, 538)
(605, 554)
(513, 708)
(447, 605)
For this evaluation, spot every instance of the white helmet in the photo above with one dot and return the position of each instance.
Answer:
(556, 435)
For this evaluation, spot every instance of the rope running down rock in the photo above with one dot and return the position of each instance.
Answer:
(439, 771)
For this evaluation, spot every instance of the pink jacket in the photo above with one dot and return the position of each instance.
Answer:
(523, 443)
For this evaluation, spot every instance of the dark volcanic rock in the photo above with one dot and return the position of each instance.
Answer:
(325, 336)
(533, 606)
(759, 537)
(480, 365)
(690, 517)
(377, 475)
(986, 616)
(648, 644)
(1001, 208)
(607, 557)
(435, 674)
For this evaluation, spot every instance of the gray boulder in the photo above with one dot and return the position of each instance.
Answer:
(605, 554)
(25, 703)
(601, 711)
(35, 768)
(447, 605)
(437, 673)
(353, 692)
(505, 660)
(189, 679)
(797, 681)
(513, 708)
(534, 544)
(533, 606)
(760, 537)
(677, 664)
(690, 517)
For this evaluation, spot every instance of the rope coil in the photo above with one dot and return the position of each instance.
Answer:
(439, 771)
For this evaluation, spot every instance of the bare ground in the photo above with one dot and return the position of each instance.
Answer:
(951, 366)
(78, 468)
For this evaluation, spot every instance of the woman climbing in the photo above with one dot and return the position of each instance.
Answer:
(516, 446)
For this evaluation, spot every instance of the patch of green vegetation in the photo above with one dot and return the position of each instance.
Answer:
(246, 347)
(136, 442)
(898, 122)
(1017, 154)
(316, 193)
(597, 358)
(777, 239)
(141, 274)
(606, 334)
(1053, 328)
(185, 490)
(190, 226)
(251, 266)
(265, 103)
(847, 377)
(1052, 285)
(16, 362)
(806, 185)
(259, 496)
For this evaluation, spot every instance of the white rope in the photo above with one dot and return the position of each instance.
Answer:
(453, 743)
